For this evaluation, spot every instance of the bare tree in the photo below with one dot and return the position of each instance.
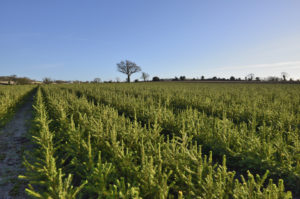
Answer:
(128, 68)
(284, 75)
(97, 80)
(47, 80)
(145, 76)
(250, 77)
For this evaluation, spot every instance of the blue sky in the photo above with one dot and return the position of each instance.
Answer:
(81, 40)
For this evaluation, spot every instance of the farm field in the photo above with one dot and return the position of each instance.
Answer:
(10, 97)
(163, 140)
(150, 99)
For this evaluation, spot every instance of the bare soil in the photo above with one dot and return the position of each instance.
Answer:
(13, 142)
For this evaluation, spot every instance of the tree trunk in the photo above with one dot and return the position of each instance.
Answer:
(128, 78)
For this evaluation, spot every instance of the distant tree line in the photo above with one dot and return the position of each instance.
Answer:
(248, 78)
(128, 68)
(14, 80)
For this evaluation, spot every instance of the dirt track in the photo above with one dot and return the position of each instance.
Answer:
(13, 142)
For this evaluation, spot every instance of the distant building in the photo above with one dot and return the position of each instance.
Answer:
(7, 82)
(36, 82)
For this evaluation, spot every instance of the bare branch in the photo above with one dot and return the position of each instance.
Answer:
(128, 68)
(145, 76)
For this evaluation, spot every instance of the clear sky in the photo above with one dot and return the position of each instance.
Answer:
(81, 40)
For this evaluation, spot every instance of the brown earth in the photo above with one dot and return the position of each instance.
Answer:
(13, 142)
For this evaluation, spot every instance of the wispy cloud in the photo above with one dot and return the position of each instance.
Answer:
(260, 70)
(279, 65)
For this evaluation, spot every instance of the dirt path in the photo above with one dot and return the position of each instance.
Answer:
(13, 141)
